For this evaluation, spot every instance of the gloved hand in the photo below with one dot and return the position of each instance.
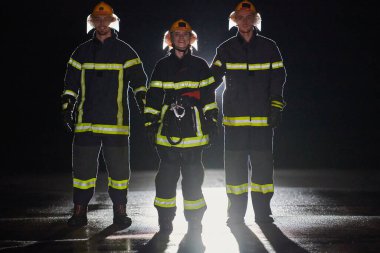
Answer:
(211, 117)
(140, 99)
(68, 104)
(275, 117)
(151, 128)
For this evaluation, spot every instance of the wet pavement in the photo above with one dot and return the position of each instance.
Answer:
(314, 211)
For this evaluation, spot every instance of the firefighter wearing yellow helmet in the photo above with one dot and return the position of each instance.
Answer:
(252, 104)
(95, 108)
(181, 115)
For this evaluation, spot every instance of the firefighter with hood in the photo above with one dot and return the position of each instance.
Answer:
(254, 76)
(95, 107)
(181, 115)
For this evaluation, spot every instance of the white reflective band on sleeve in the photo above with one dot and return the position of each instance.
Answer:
(71, 93)
(218, 63)
(75, 64)
(141, 88)
(118, 184)
(166, 203)
(194, 204)
(84, 184)
(210, 106)
(237, 189)
(102, 66)
(277, 65)
(259, 66)
(263, 188)
(103, 129)
(151, 110)
(131, 63)
(245, 121)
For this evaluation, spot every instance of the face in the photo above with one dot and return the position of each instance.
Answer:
(245, 20)
(181, 39)
(101, 24)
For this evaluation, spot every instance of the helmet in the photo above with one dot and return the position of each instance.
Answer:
(180, 25)
(103, 9)
(248, 6)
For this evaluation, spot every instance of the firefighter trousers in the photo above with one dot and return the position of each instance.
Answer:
(239, 164)
(85, 166)
(173, 163)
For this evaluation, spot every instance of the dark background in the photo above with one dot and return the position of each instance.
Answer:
(329, 49)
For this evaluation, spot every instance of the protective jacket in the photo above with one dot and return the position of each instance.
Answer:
(179, 95)
(98, 76)
(254, 79)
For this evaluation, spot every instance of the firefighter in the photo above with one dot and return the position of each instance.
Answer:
(180, 113)
(252, 104)
(95, 107)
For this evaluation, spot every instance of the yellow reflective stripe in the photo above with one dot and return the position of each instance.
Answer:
(210, 106)
(101, 129)
(151, 110)
(167, 203)
(245, 121)
(277, 65)
(156, 84)
(71, 93)
(131, 63)
(207, 82)
(277, 104)
(83, 96)
(218, 63)
(119, 99)
(237, 189)
(185, 143)
(102, 66)
(141, 88)
(84, 184)
(75, 64)
(194, 204)
(263, 188)
(64, 106)
(198, 122)
(259, 66)
(118, 184)
(236, 66)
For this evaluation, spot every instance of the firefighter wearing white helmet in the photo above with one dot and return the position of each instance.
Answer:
(181, 115)
(95, 108)
(252, 104)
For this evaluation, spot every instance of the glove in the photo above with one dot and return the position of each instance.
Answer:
(68, 104)
(211, 117)
(275, 117)
(140, 99)
(151, 127)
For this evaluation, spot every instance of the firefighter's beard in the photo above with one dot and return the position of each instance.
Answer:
(103, 31)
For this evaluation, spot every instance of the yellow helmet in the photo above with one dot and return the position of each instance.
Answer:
(248, 6)
(102, 9)
(180, 25)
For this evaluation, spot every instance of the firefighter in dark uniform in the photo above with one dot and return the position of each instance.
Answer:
(181, 114)
(252, 104)
(95, 107)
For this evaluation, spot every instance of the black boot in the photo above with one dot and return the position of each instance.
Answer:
(194, 227)
(263, 214)
(120, 217)
(79, 218)
(166, 225)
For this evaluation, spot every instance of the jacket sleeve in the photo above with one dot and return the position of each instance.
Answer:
(134, 74)
(207, 84)
(72, 80)
(155, 94)
(218, 67)
(278, 79)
